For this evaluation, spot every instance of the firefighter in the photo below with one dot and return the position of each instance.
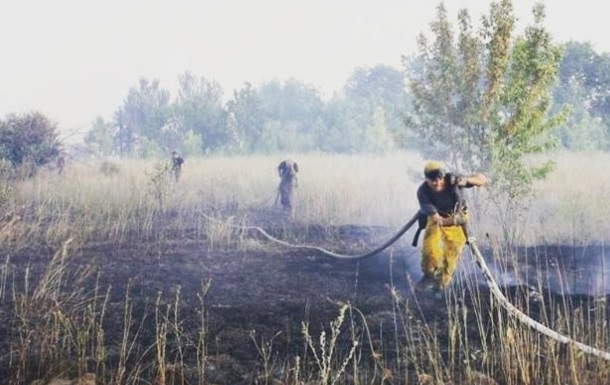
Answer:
(287, 170)
(441, 200)
(177, 162)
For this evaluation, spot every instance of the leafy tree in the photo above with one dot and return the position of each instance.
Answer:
(344, 127)
(100, 138)
(379, 90)
(296, 107)
(143, 114)
(125, 135)
(200, 109)
(289, 110)
(354, 126)
(582, 65)
(246, 119)
(191, 144)
(148, 148)
(28, 140)
(483, 100)
(378, 138)
(582, 130)
(172, 135)
(584, 86)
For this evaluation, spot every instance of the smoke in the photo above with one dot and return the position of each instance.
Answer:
(564, 270)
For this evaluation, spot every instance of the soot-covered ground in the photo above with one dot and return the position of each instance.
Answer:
(253, 294)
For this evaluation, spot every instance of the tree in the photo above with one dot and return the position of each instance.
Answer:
(345, 127)
(246, 119)
(100, 138)
(583, 66)
(199, 109)
(278, 116)
(584, 86)
(28, 140)
(143, 114)
(355, 125)
(379, 90)
(483, 101)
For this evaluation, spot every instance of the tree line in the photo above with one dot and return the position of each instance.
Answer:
(374, 112)
(277, 116)
(468, 95)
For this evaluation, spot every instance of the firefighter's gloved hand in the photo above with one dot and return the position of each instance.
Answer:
(458, 180)
(460, 220)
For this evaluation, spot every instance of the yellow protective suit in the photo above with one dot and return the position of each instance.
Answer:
(441, 251)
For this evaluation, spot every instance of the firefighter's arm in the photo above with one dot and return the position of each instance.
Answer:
(476, 179)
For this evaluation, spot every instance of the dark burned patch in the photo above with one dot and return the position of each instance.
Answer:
(555, 269)
(267, 293)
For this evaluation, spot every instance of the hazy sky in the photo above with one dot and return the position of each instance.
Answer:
(76, 59)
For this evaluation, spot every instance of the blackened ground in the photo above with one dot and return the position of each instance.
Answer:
(255, 292)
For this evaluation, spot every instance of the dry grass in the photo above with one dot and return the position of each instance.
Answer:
(59, 331)
(570, 205)
(86, 203)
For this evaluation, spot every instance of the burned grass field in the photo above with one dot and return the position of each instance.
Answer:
(166, 296)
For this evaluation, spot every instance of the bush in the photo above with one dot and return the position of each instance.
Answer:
(28, 141)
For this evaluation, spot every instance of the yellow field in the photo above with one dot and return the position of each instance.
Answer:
(570, 206)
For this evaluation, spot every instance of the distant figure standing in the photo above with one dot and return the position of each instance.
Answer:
(287, 170)
(177, 162)
(60, 163)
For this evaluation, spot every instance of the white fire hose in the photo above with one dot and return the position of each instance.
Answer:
(512, 310)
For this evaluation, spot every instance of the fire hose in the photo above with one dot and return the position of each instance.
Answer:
(320, 250)
(495, 289)
(512, 310)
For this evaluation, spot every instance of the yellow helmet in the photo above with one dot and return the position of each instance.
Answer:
(434, 170)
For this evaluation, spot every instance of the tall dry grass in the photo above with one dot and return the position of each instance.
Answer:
(569, 206)
(58, 327)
